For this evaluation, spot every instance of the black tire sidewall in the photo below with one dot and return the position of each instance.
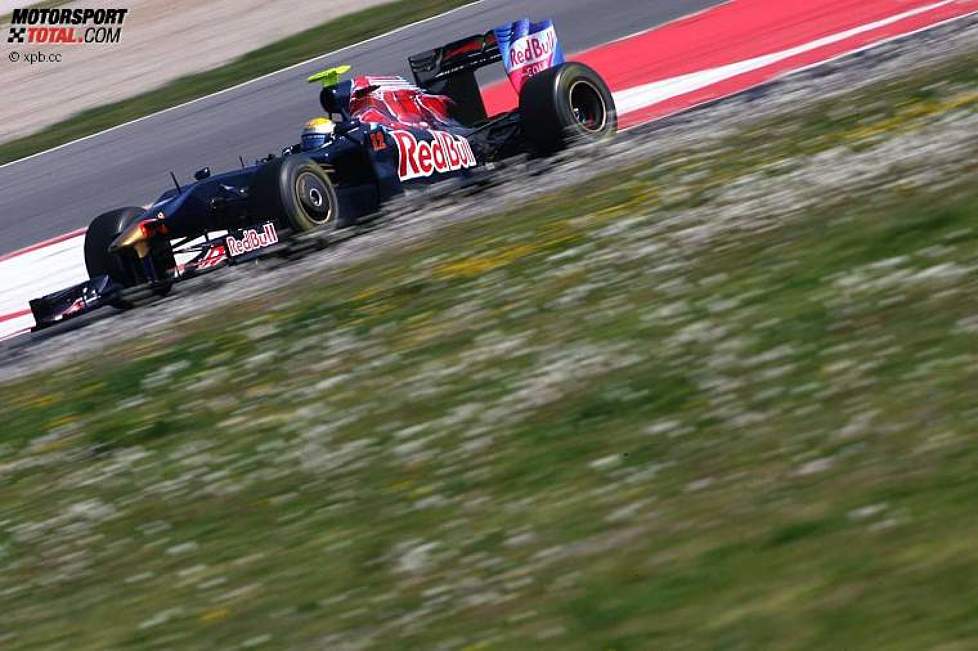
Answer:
(545, 107)
(103, 230)
(273, 195)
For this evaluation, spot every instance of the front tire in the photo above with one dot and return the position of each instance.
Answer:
(123, 267)
(565, 104)
(296, 193)
(103, 230)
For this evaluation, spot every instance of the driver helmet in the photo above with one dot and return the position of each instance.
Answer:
(317, 133)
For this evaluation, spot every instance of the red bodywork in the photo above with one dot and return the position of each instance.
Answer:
(396, 103)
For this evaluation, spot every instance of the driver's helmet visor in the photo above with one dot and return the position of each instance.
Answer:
(316, 133)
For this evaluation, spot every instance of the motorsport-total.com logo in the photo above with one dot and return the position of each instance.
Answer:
(66, 26)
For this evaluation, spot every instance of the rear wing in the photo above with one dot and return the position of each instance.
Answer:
(450, 70)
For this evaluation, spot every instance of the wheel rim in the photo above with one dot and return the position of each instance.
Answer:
(313, 195)
(588, 106)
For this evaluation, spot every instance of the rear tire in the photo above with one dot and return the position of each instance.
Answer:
(566, 104)
(296, 193)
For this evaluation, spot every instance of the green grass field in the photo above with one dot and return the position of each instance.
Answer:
(722, 399)
(333, 35)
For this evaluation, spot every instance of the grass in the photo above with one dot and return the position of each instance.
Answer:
(621, 418)
(327, 37)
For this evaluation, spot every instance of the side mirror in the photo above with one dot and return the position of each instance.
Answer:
(202, 173)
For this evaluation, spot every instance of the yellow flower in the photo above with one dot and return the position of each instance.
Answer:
(478, 646)
(478, 265)
(61, 421)
(215, 615)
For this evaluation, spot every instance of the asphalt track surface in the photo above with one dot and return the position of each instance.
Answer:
(62, 190)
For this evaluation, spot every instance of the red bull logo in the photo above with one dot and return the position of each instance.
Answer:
(251, 240)
(420, 159)
(215, 256)
(528, 49)
(533, 51)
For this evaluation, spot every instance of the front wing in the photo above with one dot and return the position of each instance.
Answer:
(235, 248)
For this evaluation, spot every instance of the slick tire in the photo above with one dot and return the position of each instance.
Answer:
(296, 193)
(99, 261)
(101, 233)
(566, 104)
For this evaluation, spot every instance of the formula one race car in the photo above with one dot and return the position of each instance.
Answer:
(382, 136)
